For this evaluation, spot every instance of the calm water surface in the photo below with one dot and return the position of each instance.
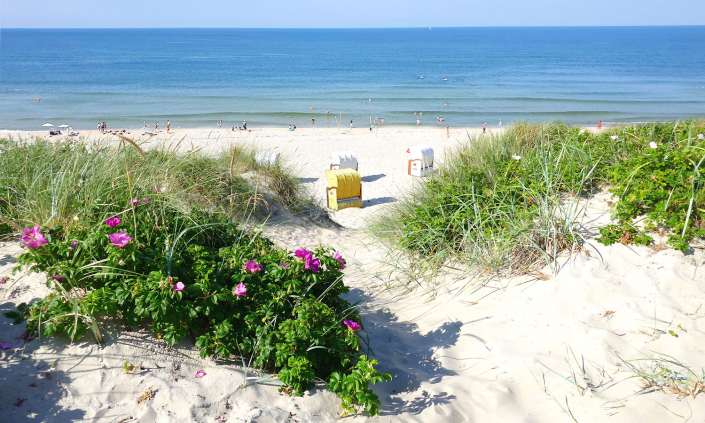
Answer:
(271, 77)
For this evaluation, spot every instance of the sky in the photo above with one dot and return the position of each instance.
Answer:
(345, 13)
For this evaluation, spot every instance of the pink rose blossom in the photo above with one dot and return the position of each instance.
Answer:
(253, 267)
(113, 222)
(74, 244)
(179, 286)
(338, 257)
(120, 239)
(146, 201)
(3, 281)
(352, 325)
(240, 290)
(302, 253)
(312, 263)
(57, 278)
(32, 238)
(200, 374)
(134, 202)
(121, 261)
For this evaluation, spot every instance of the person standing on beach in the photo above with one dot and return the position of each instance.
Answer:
(168, 126)
(100, 127)
(244, 125)
(351, 126)
(418, 122)
(313, 121)
(599, 125)
(484, 128)
(156, 127)
(500, 123)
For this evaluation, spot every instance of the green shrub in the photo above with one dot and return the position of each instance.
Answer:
(662, 178)
(624, 234)
(231, 291)
(155, 236)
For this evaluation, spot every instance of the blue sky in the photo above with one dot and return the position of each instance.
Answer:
(344, 13)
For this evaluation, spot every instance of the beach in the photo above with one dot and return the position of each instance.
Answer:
(541, 347)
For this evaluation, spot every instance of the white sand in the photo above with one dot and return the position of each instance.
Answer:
(463, 357)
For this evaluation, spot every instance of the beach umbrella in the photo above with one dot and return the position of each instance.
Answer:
(63, 126)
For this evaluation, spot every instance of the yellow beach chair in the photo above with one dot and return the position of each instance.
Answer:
(345, 189)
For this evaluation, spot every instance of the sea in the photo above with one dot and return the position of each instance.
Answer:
(280, 77)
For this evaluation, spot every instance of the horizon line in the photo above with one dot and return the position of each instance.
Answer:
(374, 27)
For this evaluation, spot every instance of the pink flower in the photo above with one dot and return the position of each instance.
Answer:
(33, 238)
(312, 263)
(302, 253)
(146, 201)
(134, 202)
(240, 290)
(285, 265)
(338, 257)
(5, 345)
(57, 278)
(74, 244)
(253, 267)
(121, 261)
(120, 239)
(200, 374)
(3, 281)
(113, 222)
(352, 325)
(179, 286)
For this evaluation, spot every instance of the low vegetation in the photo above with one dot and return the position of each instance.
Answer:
(508, 203)
(159, 236)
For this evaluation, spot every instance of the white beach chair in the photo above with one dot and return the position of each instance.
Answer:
(267, 158)
(343, 160)
(420, 160)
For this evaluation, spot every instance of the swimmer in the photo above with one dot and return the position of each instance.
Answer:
(446, 104)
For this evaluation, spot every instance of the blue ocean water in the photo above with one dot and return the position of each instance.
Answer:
(272, 77)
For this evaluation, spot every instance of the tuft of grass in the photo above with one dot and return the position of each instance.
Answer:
(662, 372)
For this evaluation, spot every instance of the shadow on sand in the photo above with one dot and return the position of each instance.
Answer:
(408, 356)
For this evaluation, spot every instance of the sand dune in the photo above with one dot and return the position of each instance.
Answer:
(469, 355)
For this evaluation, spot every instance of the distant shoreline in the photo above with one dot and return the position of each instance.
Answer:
(342, 128)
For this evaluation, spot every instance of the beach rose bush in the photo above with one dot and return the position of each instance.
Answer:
(231, 291)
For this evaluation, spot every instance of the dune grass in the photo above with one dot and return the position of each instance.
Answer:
(57, 184)
(508, 204)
